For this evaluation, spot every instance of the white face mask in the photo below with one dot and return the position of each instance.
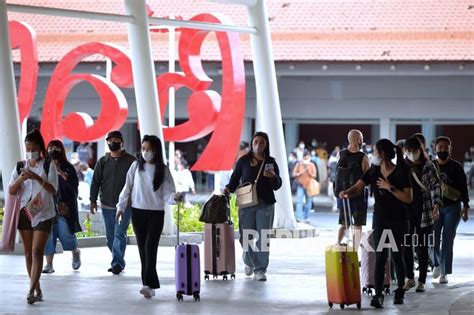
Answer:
(148, 156)
(376, 160)
(32, 156)
(301, 146)
(413, 156)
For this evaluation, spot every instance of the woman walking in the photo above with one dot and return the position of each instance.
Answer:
(392, 190)
(149, 185)
(257, 218)
(37, 181)
(67, 221)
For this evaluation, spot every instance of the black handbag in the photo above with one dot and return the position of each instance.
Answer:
(215, 210)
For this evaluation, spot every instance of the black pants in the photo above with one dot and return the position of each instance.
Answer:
(148, 225)
(417, 239)
(398, 231)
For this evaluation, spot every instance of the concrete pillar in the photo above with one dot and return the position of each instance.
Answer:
(386, 129)
(268, 108)
(291, 135)
(428, 129)
(247, 130)
(10, 131)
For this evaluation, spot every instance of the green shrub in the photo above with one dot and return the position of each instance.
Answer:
(87, 232)
(189, 217)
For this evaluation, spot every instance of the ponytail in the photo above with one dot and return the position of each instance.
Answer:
(400, 158)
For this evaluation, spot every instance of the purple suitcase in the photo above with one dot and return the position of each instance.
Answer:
(187, 269)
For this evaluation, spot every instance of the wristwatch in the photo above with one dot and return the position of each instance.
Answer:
(392, 189)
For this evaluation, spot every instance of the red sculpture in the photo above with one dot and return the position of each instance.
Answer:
(23, 37)
(208, 110)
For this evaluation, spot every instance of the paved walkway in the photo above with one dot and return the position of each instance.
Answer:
(296, 285)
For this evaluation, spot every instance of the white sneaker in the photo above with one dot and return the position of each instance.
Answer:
(260, 276)
(436, 272)
(147, 292)
(443, 279)
(76, 260)
(248, 271)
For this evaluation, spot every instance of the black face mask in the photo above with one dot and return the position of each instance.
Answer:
(114, 146)
(54, 154)
(443, 155)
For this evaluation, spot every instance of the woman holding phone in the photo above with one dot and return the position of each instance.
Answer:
(259, 217)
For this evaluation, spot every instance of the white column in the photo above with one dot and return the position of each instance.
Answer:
(172, 98)
(268, 108)
(10, 131)
(143, 70)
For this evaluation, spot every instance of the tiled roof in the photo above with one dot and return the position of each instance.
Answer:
(302, 30)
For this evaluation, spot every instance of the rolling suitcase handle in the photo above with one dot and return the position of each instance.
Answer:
(348, 216)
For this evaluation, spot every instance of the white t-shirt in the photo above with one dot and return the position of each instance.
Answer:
(183, 180)
(139, 188)
(30, 188)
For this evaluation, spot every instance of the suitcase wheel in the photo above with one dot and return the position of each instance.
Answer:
(206, 277)
(387, 291)
(359, 306)
(232, 276)
(179, 296)
(342, 306)
(330, 304)
(364, 290)
(369, 292)
(214, 277)
(224, 278)
(197, 297)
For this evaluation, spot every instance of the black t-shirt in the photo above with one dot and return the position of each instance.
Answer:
(387, 208)
(453, 174)
(416, 207)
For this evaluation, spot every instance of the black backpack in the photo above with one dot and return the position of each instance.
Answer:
(216, 210)
(349, 170)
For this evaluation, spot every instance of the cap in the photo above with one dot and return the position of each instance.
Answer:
(114, 134)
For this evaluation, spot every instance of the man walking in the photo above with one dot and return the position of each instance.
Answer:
(109, 177)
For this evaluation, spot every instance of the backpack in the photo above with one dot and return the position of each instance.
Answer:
(216, 210)
(348, 171)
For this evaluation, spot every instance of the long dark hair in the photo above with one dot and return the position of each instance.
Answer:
(267, 140)
(391, 150)
(59, 144)
(36, 137)
(415, 143)
(155, 144)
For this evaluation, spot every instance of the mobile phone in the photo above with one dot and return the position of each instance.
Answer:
(269, 167)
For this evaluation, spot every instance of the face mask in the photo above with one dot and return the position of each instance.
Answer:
(148, 156)
(443, 155)
(54, 154)
(114, 146)
(376, 160)
(306, 161)
(301, 146)
(32, 156)
(291, 158)
(413, 156)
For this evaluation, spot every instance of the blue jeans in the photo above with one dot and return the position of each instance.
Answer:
(60, 230)
(256, 218)
(445, 232)
(116, 234)
(304, 203)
